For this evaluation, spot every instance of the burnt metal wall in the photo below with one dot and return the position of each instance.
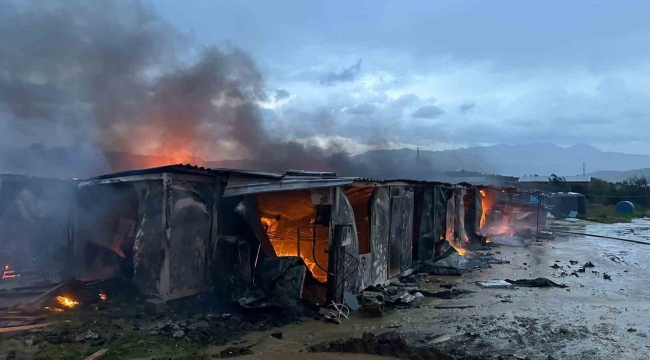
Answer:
(401, 230)
(189, 222)
(345, 216)
(148, 246)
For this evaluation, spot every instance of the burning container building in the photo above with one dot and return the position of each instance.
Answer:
(263, 238)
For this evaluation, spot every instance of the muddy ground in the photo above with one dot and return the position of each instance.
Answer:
(593, 318)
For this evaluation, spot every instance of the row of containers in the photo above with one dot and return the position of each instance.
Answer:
(180, 230)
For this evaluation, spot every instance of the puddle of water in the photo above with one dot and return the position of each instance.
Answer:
(638, 229)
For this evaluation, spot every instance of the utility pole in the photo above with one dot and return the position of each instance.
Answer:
(584, 169)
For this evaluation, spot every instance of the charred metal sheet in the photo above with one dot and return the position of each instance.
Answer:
(395, 249)
(345, 217)
(189, 220)
(440, 198)
(365, 271)
(379, 234)
(214, 229)
(148, 249)
(460, 237)
(450, 230)
(245, 267)
(406, 261)
(282, 279)
(471, 219)
(249, 210)
(428, 238)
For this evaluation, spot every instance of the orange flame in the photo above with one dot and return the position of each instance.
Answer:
(462, 252)
(103, 296)
(67, 302)
(486, 205)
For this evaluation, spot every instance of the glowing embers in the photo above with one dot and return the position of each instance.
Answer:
(103, 297)
(67, 301)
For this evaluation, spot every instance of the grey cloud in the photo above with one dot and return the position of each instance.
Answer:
(347, 75)
(362, 109)
(281, 94)
(466, 107)
(427, 112)
(405, 100)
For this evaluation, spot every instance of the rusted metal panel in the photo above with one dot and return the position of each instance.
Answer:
(379, 234)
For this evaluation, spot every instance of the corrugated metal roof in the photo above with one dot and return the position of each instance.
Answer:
(404, 180)
(241, 184)
(185, 169)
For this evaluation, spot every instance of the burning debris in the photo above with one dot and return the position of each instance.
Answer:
(67, 301)
(8, 273)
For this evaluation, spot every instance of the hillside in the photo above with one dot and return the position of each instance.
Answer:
(513, 160)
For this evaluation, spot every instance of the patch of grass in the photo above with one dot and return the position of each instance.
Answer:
(128, 347)
(607, 214)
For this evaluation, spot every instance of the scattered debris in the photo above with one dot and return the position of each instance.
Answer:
(453, 306)
(538, 282)
(90, 335)
(573, 262)
(556, 266)
(97, 355)
(495, 284)
(277, 335)
(447, 294)
(606, 276)
(235, 351)
(631, 330)
(588, 264)
(351, 301)
(447, 286)
(403, 346)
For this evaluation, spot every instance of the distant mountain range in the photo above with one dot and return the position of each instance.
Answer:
(512, 160)
(619, 176)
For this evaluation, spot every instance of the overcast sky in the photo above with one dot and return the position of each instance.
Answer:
(443, 74)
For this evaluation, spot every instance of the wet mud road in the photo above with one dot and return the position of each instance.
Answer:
(594, 318)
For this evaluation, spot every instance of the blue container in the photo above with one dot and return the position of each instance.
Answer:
(625, 207)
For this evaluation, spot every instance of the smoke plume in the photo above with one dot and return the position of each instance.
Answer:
(105, 78)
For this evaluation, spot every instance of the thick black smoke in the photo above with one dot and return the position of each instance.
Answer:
(100, 77)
